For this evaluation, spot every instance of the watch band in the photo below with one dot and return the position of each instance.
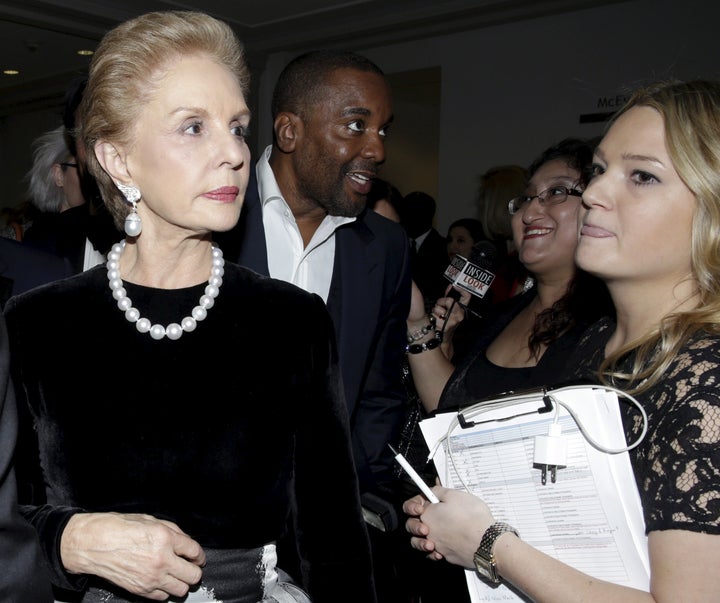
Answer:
(484, 557)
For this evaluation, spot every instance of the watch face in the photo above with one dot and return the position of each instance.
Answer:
(484, 558)
(486, 568)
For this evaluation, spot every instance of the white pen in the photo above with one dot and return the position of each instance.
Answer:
(429, 494)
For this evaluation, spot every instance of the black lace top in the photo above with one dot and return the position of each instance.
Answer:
(677, 466)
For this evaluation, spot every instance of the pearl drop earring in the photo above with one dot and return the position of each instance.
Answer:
(133, 222)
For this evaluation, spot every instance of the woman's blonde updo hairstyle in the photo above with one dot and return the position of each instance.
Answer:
(123, 75)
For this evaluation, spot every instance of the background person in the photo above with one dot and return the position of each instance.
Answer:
(384, 198)
(53, 182)
(61, 226)
(101, 231)
(497, 185)
(462, 235)
(16, 220)
(649, 228)
(417, 214)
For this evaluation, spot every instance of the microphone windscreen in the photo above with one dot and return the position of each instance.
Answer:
(484, 254)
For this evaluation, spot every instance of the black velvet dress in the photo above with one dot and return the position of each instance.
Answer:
(219, 431)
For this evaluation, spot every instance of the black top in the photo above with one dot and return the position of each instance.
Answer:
(475, 377)
(206, 431)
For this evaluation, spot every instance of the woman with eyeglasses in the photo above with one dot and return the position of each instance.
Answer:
(62, 226)
(53, 181)
(530, 337)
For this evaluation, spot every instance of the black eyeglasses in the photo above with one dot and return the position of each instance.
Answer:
(68, 164)
(550, 196)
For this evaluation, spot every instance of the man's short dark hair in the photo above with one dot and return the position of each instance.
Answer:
(299, 83)
(418, 208)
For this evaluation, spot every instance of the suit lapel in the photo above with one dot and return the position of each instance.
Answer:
(251, 232)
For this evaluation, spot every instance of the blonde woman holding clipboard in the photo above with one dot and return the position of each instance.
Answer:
(650, 228)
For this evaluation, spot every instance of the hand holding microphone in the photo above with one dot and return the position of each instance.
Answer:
(475, 274)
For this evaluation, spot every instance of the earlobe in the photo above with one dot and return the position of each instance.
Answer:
(112, 161)
(288, 128)
(58, 176)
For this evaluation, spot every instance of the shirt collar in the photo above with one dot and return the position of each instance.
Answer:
(269, 190)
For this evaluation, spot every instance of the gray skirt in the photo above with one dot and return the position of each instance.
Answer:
(229, 576)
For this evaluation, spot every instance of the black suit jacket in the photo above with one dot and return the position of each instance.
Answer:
(23, 577)
(64, 234)
(429, 265)
(369, 301)
(23, 267)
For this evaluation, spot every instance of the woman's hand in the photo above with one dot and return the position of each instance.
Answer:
(417, 316)
(451, 528)
(446, 309)
(414, 507)
(146, 556)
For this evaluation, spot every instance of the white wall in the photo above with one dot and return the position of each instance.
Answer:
(509, 91)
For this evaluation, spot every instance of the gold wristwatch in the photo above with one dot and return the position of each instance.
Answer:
(484, 557)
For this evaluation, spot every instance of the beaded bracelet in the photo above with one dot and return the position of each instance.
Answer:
(417, 348)
(420, 333)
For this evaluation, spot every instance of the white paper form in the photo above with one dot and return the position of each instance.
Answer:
(590, 519)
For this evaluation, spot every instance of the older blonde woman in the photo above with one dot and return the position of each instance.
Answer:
(169, 459)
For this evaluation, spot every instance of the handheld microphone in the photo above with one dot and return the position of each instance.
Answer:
(473, 275)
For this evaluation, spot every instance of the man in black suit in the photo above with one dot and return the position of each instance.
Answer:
(430, 258)
(23, 577)
(304, 220)
(23, 267)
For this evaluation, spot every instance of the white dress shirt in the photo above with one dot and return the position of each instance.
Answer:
(421, 239)
(308, 267)
(92, 256)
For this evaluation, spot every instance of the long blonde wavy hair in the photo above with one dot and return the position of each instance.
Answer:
(691, 114)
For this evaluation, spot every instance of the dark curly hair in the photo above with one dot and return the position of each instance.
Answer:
(576, 152)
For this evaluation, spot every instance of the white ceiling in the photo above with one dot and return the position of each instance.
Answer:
(40, 37)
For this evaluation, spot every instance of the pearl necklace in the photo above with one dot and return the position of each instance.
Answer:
(173, 330)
